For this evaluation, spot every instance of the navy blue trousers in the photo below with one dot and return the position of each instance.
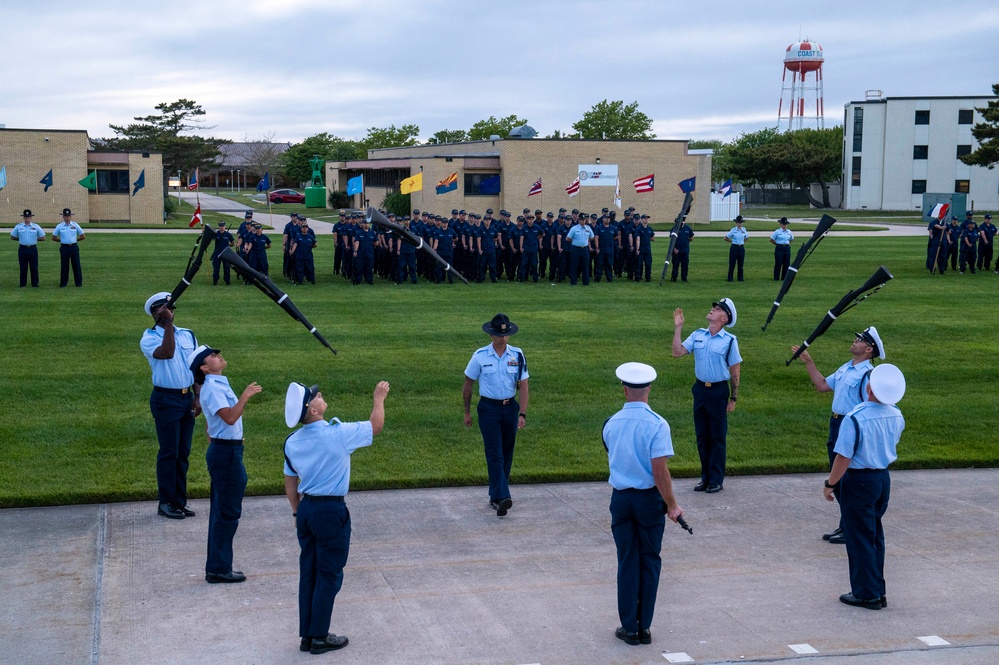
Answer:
(605, 265)
(782, 261)
(736, 257)
(643, 264)
(324, 536)
(407, 267)
(225, 467)
(637, 522)
(711, 429)
(498, 424)
(305, 268)
(863, 501)
(27, 258)
(216, 264)
(681, 263)
(529, 265)
(174, 420)
(579, 262)
(834, 425)
(364, 266)
(69, 254)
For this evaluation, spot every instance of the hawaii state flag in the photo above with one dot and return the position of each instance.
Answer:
(448, 184)
(535, 188)
(646, 184)
(197, 217)
(726, 188)
(573, 189)
(192, 183)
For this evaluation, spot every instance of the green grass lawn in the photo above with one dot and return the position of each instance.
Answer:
(77, 427)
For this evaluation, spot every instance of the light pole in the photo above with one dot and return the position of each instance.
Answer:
(179, 183)
(237, 181)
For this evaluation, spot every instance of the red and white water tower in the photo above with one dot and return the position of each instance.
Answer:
(801, 94)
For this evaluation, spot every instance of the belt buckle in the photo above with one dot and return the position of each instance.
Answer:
(836, 416)
(707, 384)
(183, 391)
(505, 401)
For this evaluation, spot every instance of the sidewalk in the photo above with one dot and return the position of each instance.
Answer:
(434, 577)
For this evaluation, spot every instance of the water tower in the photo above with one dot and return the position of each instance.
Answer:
(801, 95)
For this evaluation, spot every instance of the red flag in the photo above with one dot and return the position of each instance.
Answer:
(535, 188)
(573, 189)
(196, 219)
(192, 183)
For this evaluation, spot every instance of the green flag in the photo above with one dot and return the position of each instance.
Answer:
(90, 182)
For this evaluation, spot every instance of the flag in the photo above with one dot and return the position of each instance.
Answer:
(573, 188)
(940, 211)
(448, 184)
(646, 184)
(90, 182)
(355, 185)
(47, 180)
(617, 193)
(414, 184)
(197, 218)
(265, 183)
(3, 177)
(726, 188)
(490, 185)
(535, 188)
(687, 186)
(192, 181)
(140, 183)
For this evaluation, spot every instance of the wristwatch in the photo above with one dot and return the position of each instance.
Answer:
(828, 486)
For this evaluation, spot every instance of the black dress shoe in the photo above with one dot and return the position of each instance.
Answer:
(837, 538)
(884, 601)
(713, 489)
(629, 638)
(170, 512)
(494, 505)
(503, 507)
(871, 604)
(187, 511)
(232, 577)
(701, 486)
(305, 644)
(329, 643)
(836, 532)
(645, 636)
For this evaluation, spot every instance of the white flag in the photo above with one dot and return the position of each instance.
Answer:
(617, 193)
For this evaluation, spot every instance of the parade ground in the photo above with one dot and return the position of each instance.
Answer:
(434, 577)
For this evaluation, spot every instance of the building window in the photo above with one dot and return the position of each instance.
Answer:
(855, 177)
(920, 151)
(858, 129)
(482, 184)
(918, 186)
(965, 116)
(962, 186)
(112, 182)
(922, 117)
(963, 150)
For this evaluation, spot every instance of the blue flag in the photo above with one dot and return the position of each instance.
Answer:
(355, 185)
(265, 183)
(3, 177)
(140, 182)
(490, 185)
(47, 180)
(687, 186)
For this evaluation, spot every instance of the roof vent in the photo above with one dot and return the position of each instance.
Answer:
(523, 132)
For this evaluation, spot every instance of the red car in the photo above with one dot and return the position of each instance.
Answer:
(287, 196)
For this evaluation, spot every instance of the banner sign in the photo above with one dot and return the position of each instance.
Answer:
(597, 175)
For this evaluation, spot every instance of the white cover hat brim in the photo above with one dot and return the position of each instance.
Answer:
(294, 401)
(162, 295)
(637, 374)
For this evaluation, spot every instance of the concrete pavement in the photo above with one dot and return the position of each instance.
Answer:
(434, 577)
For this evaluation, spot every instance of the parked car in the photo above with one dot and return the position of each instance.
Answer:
(287, 196)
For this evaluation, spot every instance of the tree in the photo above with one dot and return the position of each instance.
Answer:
(329, 148)
(263, 156)
(163, 133)
(719, 160)
(747, 161)
(448, 136)
(614, 120)
(811, 155)
(390, 137)
(987, 135)
(397, 203)
(491, 126)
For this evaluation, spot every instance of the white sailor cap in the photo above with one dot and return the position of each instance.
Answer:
(871, 336)
(636, 375)
(196, 358)
(296, 402)
(887, 383)
(156, 300)
(729, 307)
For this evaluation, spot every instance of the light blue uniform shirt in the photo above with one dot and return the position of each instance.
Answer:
(782, 237)
(846, 384)
(634, 436)
(497, 375)
(580, 235)
(172, 373)
(880, 428)
(67, 233)
(737, 236)
(320, 453)
(713, 354)
(27, 234)
(217, 394)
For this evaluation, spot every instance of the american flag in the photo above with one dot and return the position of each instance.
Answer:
(197, 218)
(646, 184)
(573, 189)
(192, 182)
(535, 188)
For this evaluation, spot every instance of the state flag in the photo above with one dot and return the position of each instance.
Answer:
(646, 184)
(47, 180)
(90, 182)
(414, 184)
(573, 188)
(355, 185)
(265, 183)
(139, 183)
(726, 188)
(687, 186)
(448, 184)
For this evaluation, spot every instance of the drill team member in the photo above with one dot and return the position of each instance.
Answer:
(68, 234)
(737, 252)
(781, 240)
(223, 239)
(28, 235)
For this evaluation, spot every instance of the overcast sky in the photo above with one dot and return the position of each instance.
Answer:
(294, 68)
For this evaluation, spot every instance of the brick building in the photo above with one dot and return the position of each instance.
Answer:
(28, 154)
(519, 162)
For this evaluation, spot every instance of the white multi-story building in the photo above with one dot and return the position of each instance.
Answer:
(895, 149)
